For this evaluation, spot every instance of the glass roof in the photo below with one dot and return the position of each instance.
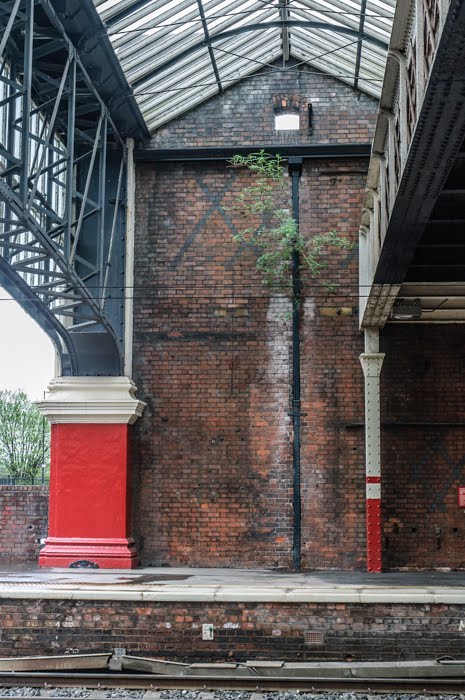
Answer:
(178, 53)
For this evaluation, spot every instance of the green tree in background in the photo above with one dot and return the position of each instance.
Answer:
(24, 437)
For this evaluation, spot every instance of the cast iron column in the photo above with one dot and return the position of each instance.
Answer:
(372, 361)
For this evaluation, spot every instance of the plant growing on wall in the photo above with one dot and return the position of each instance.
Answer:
(265, 208)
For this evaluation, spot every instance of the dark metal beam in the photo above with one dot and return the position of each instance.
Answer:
(151, 73)
(284, 16)
(38, 311)
(43, 245)
(80, 21)
(209, 46)
(122, 14)
(361, 26)
(437, 141)
(328, 151)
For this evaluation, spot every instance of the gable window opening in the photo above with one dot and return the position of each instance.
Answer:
(287, 121)
(286, 110)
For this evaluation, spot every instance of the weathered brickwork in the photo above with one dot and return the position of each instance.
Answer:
(244, 114)
(213, 452)
(423, 463)
(333, 493)
(23, 521)
(241, 630)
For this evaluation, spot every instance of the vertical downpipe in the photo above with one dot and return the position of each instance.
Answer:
(295, 171)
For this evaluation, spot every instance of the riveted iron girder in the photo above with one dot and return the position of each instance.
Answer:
(62, 191)
(437, 143)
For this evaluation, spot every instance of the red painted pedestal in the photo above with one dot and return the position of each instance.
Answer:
(89, 515)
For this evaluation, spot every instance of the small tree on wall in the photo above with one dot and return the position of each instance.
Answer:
(24, 437)
(277, 237)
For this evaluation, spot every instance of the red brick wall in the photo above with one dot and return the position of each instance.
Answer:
(241, 630)
(23, 521)
(333, 491)
(213, 452)
(423, 463)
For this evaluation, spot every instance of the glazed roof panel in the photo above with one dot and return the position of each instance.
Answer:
(177, 53)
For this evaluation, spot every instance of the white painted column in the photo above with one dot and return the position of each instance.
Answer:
(372, 361)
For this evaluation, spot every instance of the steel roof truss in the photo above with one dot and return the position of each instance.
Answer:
(43, 216)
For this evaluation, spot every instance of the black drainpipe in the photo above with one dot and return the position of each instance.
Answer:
(295, 171)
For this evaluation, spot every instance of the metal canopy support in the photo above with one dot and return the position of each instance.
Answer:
(361, 26)
(372, 362)
(209, 46)
(316, 150)
(278, 24)
(62, 161)
(284, 15)
(438, 137)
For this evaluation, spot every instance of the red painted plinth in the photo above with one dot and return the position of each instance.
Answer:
(373, 517)
(89, 515)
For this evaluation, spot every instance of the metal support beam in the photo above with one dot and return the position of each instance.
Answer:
(259, 27)
(315, 151)
(61, 219)
(284, 16)
(372, 361)
(209, 46)
(361, 27)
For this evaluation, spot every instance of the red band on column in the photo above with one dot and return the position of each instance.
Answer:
(373, 520)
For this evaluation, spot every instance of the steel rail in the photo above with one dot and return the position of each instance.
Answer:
(256, 683)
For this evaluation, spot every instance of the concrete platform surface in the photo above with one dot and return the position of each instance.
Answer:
(235, 585)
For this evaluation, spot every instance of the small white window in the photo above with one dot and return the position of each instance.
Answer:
(287, 122)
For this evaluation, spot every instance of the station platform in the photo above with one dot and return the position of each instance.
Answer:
(205, 615)
(232, 585)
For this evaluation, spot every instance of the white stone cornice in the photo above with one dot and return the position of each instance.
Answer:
(91, 400)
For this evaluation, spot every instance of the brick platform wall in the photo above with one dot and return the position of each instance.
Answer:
(23, 521)
(241, 630)
(423, 463)
(213, 451)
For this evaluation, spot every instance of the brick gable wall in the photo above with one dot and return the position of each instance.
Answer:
(213, 452)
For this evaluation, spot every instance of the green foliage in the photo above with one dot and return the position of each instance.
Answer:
(24, 436)
(265, 207)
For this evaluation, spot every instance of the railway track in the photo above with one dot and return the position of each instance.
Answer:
(149, 682)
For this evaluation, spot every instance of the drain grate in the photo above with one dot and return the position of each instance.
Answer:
(313, 637)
